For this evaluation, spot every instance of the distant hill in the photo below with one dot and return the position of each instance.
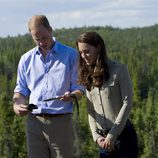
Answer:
(136, 47)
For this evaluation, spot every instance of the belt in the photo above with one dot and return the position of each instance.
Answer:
(46, 115)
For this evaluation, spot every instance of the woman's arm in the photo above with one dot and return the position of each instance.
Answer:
(125, 85)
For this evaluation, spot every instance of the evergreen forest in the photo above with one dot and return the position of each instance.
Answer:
(136, 47)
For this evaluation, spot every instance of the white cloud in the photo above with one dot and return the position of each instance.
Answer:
(69, 13)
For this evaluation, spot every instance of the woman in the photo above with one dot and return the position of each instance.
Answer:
(109, 92)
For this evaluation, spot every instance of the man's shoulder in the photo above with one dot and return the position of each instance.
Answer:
(30, 52)
(60, 47)
(28, 55)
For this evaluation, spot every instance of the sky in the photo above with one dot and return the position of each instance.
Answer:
(14, 14)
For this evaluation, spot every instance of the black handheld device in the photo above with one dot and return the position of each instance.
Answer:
(30, 107)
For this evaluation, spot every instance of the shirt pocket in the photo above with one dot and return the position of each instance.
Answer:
(107, 89)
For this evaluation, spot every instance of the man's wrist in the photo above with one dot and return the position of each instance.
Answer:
(73, 95)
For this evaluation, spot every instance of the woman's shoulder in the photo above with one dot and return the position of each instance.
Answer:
(115, 63)
(116, 67)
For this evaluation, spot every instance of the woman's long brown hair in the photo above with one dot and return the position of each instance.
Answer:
(93, 75)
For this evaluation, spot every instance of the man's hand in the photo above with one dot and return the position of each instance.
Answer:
(20, 110)
(19, 106)
(66, 96)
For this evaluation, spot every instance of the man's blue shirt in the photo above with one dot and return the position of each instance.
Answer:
(40, 78)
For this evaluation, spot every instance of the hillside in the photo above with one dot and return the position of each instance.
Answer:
(136, 47)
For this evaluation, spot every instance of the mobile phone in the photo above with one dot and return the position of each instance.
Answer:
(30, 107)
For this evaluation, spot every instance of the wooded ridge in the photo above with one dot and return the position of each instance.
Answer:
(136, 47)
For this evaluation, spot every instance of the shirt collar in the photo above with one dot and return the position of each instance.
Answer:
(37, 50)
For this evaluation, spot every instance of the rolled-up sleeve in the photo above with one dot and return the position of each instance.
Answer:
(21, 83)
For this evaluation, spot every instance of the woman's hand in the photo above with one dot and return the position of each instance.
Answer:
(100, 141)
(105, 143)
(108, 144)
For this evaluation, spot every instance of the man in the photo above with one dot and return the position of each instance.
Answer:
(46, 71)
